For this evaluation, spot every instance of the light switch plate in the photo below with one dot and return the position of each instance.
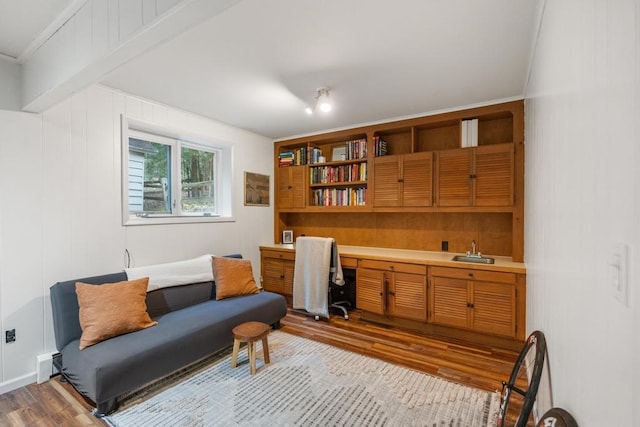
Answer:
(620, 273)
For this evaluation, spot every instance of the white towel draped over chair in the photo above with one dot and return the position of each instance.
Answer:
(317, 262)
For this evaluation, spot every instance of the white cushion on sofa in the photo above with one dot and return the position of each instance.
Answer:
(186, 272)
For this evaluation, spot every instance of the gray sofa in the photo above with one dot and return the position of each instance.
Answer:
(192, 325)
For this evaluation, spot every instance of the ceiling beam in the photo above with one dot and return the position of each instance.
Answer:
(99, 37)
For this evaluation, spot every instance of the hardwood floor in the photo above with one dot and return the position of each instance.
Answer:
(57, 404)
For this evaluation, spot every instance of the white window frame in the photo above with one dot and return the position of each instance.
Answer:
(223, 179)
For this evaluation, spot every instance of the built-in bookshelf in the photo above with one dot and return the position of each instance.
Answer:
(461, 162)
(342, 181)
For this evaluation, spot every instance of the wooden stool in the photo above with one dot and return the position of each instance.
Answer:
(250, 332)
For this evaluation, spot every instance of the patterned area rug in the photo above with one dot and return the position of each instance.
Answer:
(307, 384)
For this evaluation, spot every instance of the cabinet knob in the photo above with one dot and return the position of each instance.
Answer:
(470, 304)
(400, 180)
(470, 274)
(393, 294)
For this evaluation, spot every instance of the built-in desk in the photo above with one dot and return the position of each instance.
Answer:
(422, 290)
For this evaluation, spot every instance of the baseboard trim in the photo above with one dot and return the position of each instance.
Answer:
(16, 383)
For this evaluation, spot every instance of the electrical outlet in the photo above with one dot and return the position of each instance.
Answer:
(445, 246)
(10, 336)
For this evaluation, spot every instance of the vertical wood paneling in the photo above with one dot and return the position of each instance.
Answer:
(21, 244)
(129, 17)
(147, 112)
(102, 195)
(149, 11)
(113, 24)
(56, 201)
(582, 199)
(164, 5)
(79, 210)
(99, 27)
(83, 34)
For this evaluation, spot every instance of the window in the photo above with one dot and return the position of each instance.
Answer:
(170, 178)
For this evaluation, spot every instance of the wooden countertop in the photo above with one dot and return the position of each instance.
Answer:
(442, 259)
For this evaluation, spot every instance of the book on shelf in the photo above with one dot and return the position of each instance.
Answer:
(286, 158)
(296, 157)
(350, 150)
(356, 149)
(339, 197)
(469, 134)
(380, 146)
(314, 155)
(338, 174)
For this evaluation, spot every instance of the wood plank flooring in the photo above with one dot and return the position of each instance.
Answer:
(57, 404)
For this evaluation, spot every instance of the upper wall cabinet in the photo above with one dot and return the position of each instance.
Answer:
(403, 180)
(478, 176)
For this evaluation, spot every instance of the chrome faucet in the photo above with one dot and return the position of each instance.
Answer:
(473, 252)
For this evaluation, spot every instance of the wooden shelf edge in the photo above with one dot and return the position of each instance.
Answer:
(417, 209)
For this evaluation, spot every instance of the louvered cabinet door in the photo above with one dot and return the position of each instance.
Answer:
(417, 179)
(454, 177)
(494, 308)
(287, 277)
(494, 175)
(408, 296)
(291, 187)
(273, 275)
(448, 302)
(370, 290)
(386, 185)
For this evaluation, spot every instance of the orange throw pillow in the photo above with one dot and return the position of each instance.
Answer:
(112, 309)
(233, 277)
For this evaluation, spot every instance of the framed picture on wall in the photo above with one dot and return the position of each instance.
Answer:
(256, 189)
(287, 236)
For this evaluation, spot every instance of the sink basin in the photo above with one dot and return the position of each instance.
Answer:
(474, 258)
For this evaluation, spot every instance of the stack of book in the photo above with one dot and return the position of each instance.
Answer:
(356, 149)
(286, 159)
(314, 155)
(469, 133)
(293, 158)
(343, 173)
(339, 197)
(380, 146)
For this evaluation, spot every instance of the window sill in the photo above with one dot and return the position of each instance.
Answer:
(158, 220)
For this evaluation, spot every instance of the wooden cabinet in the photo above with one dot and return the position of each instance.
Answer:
(478, 176)
(481, 301)
(393, 289)
(403, 180)
(277, 271)
(291, 186)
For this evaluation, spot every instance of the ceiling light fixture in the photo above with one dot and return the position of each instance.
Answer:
(320, 101)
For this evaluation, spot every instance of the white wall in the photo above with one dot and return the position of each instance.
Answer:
(10, 87)
(60, 213)
(582, 199)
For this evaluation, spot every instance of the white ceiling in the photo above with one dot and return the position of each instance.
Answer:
(22, 21)
(258, 64)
